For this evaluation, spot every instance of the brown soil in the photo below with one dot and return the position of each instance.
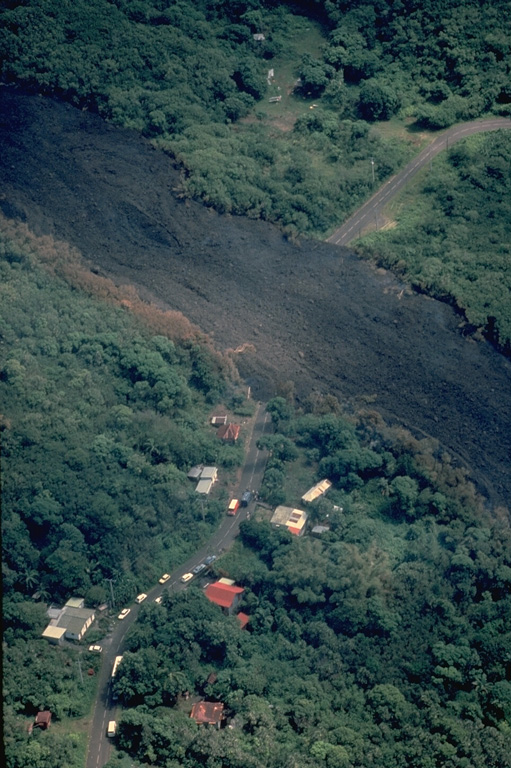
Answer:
(315, 314)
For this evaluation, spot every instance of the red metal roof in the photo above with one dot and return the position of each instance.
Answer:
(222, 594)
(243, 619)
(211, 712)
(229, 432)
(43, 718)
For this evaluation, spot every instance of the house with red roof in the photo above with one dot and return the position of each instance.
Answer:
(43, 719)
(226, 594)
(208, 713)
(229, 433)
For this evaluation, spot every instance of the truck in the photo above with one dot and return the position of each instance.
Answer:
(246, 498)
(233, 506)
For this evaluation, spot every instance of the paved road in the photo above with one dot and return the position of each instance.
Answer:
(370, 214)
(99, 746)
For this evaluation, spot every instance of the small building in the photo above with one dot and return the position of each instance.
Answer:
(75, 602)
(195, 472)
(316, 491)
(208, 477)
(225, 594)
(259, 37)
(54, 635)
(229, 433)
(319, 530)
(43, 719)
(243, 619)
(54, 613)
(219, 420)
(208, 713)
(293, 519)
(76, 622)
(70, 622)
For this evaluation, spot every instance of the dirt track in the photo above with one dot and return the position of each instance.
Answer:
(316, 314)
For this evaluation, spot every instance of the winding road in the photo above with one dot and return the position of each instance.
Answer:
(370, 214)
(99, 745)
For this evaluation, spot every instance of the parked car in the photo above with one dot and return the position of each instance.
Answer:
(140, 598)
(124, 613)
(95, 648)
(209, 559)
(198, 569)
(186, 577)
(164, 578)
(246, 498)
(159, 599)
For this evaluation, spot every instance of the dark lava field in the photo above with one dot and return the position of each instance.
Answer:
(314, 313)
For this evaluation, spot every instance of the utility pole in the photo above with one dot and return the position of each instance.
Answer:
(112, 592)
(79, 662)
(372, 168)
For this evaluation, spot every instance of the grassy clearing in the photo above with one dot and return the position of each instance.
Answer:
(300, 476)
(299, 36)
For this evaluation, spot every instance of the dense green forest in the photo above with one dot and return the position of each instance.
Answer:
(101, 419)
(452, 234)
(191, 75)
(384, 642)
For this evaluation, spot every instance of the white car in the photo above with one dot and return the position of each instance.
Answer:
(159, 599)
(164, 578)
(140, 598)
(95, 648)
(124, 613)
(186, 577)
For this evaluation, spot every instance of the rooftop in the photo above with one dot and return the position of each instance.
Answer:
(229, 432)
(211, 712)
(317, 490)
(293, 519)
(222, 594)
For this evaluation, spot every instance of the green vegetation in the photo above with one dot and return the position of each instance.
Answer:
(191, 75)
(453, 233)
(383, 642)
(101, 421)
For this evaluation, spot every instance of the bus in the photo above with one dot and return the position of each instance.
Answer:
(117, 661)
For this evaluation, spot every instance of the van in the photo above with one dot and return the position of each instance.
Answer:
(186, 577)
(112, 727)
(246, 498)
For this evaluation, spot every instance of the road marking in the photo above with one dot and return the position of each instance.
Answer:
(369, 209)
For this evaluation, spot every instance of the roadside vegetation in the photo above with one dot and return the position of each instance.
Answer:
(102, 417)
(449, 234)
(360, 86)
(386, 642)
(382, 642)
(192, 76)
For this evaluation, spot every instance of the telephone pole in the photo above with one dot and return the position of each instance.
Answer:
(112, 592)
